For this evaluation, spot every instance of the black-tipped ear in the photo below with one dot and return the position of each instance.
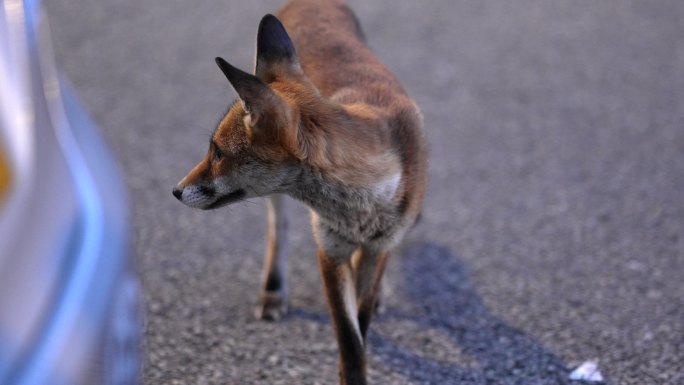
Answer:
(247, 86)
(274, 49)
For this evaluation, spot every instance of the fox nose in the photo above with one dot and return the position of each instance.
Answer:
(178, 193)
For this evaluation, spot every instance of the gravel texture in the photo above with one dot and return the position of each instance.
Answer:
(553, 231)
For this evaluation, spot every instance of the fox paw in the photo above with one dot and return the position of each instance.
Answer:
(379, 306)
(271, 306)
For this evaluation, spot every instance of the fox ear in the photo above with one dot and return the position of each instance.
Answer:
(275, 50)
(252, 91)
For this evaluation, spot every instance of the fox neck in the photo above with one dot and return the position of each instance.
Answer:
(349, 144)
(348, 174)
(327, 197)
(355, 214)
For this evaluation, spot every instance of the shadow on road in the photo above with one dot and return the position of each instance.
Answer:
(445, 305)
(437, 285)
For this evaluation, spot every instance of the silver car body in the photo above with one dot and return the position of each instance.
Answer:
(68, 295)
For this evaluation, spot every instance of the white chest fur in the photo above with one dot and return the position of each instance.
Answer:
(385, 189)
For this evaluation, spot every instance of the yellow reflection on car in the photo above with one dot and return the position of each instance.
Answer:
(5, 175)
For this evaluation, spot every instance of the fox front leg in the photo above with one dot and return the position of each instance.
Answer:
(339, 288)
(272, 303)
(369, 266)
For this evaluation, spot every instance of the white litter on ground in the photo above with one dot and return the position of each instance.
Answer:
(588, 371)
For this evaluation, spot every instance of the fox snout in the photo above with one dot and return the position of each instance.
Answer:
(194, 195)
(205, 198)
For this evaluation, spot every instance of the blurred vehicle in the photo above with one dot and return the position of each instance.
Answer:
(69, 310)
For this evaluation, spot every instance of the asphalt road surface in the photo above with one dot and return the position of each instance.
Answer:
(553, 231)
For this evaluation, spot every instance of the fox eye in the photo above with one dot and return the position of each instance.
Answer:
(217, 154)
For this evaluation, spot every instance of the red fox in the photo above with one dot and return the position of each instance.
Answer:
(323, 121)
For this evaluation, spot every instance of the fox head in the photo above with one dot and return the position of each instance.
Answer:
(253, 150)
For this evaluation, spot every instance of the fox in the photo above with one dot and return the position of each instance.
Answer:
(322, 120)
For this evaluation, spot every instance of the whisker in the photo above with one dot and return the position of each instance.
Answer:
(248, 201)
(199, 129)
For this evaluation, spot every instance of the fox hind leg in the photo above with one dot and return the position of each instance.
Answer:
(272, 303)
